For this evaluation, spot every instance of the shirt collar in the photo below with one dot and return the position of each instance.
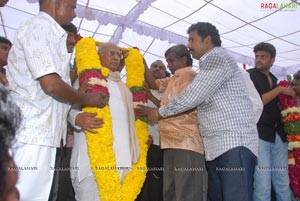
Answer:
(182, 71)
(208, 53)
(271, 74)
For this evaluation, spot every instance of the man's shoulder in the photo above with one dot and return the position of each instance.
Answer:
(187, 71)
(38, 23)
(253, 72)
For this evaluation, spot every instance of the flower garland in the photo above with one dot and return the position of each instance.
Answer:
(100, 145)
(291, 120)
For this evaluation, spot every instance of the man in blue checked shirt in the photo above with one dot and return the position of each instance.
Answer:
(225, 113)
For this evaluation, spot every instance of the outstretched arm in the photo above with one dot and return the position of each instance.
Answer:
(149, 77)
(214, 72)
(269, 96)
(54, 86)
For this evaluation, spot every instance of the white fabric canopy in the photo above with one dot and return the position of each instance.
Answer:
(155, 25)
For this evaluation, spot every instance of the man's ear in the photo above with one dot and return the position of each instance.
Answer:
(272, 61)
(184, 59)
(207, 39)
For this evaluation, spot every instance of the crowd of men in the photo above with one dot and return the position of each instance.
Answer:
(217, 134)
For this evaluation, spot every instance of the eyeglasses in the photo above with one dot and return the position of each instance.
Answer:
(113, 54)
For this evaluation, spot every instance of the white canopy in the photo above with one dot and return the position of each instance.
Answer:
(155, 25)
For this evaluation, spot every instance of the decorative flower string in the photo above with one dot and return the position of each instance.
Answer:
(100, 145)
(291, 120)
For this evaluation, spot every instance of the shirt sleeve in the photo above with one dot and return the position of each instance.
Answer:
(37, 48)
(255, 99)
(75, 110)
(214, 71)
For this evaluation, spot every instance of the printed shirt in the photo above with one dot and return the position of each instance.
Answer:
(39, 49)
(180, 131)
(225, 113)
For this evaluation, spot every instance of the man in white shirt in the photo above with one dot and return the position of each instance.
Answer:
(83, 180)
(38, 75)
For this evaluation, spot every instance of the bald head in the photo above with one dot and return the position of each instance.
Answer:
(62, 11)
(158, 69)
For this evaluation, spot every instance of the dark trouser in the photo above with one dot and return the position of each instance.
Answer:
(230, 176)
(153, 185)
(62, 189)
(184, 175)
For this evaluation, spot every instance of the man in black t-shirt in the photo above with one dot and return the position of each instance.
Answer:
(272, 160)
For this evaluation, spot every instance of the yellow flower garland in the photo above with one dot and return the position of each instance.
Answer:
(100, 146)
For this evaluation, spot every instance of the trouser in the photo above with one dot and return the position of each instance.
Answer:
(35, 164)
(272, 166)
(62, 189)
(184, 173)
(153, 185)
(230, 176)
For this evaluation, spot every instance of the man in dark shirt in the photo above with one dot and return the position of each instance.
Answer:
(272, 160)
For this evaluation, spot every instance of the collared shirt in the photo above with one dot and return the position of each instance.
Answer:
(39, 49)
(224, 109)
(270, 121)
(180, 131)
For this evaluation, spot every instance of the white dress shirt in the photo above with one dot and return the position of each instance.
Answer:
(39, 49)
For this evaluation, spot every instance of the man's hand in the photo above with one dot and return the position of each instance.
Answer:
(89, 121)
(287, 91)
(122, 62)
(152, 113)
(3, 79)
(150, 140)
(85, 86)
(96, 99)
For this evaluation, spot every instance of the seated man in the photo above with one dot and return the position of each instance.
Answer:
(83, 180)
